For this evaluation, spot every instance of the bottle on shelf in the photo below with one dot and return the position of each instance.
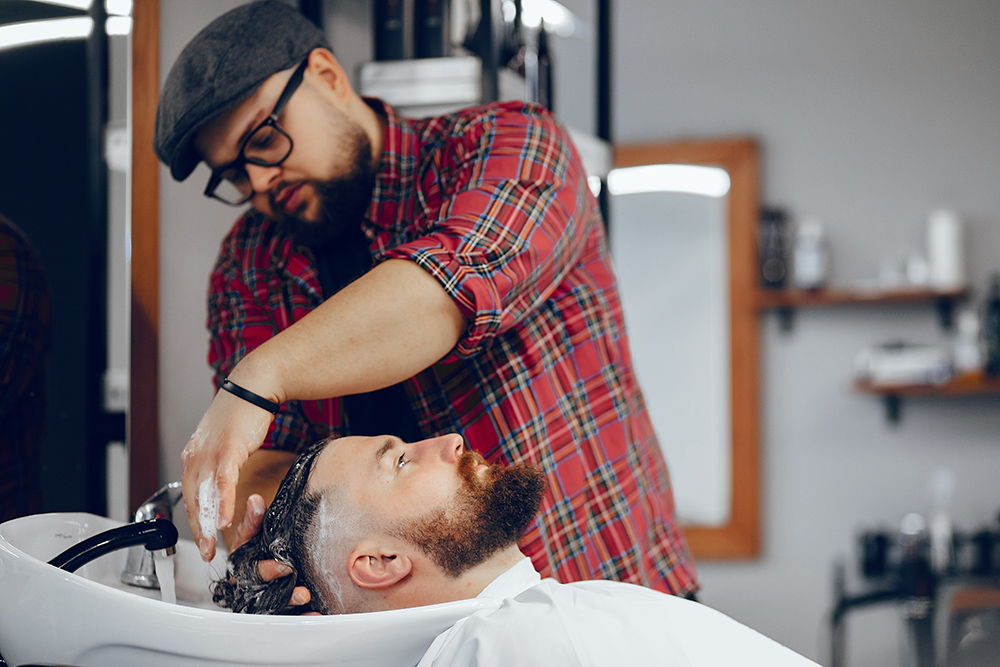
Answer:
(810, 255)
(544, 94)
(431, 31)
(967, 353)
(390, 30)
(772, 251)
(514, 51)
(991, 328)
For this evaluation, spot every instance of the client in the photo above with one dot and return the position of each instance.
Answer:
(369, 524)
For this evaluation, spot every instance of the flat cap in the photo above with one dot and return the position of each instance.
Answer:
(222, 66)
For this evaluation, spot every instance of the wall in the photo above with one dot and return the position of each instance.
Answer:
(191, 230)
(869, 114)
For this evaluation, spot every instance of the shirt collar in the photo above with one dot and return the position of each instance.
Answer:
(519, 578)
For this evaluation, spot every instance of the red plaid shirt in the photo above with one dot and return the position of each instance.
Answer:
(493, 202)
(25, 334)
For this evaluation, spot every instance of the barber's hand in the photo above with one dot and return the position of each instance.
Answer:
(230, 431)
(268, 570)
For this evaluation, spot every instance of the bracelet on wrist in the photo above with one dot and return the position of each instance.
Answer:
(250, 397)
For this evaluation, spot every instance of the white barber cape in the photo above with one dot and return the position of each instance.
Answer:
(598, 623)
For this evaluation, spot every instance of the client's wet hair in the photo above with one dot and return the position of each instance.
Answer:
(282, 537)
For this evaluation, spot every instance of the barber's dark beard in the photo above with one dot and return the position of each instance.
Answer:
(488, 515)
(343, 201)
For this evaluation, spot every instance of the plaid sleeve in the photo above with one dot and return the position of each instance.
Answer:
(512, 229)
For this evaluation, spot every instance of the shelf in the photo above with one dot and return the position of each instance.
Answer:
(845, 296)
(960, 385)
(785, 301)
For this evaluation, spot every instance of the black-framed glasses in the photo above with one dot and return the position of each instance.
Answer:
(267, 146)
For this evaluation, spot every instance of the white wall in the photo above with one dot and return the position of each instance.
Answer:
(869, 114)
(191, 230)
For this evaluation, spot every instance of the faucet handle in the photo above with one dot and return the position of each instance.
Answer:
(161, 503)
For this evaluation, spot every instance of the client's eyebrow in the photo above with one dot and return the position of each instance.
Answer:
(383, 450)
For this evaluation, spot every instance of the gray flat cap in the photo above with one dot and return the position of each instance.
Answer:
(222, 66)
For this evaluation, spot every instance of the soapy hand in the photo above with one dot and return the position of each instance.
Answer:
(230, 431)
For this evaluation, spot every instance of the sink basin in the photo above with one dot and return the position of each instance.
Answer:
(88, 617)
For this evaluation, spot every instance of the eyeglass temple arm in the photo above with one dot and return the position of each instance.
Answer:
(290, 87)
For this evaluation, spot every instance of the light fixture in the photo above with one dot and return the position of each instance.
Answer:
(118, 7)
(73, 4)
(118, 25)
(689, 178)
(557, 18)
(49, 30)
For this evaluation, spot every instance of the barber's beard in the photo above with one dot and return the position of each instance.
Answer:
(343, 201)
(490, 513)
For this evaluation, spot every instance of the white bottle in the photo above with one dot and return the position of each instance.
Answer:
(940, 487)
(810, 255)
(945, 250)
(967, 354)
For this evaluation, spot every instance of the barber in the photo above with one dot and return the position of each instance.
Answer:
(414, 278)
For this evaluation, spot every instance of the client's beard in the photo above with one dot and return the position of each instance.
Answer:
(343, 201)
(488, 515)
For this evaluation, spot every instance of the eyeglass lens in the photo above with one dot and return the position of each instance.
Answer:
(267, 146)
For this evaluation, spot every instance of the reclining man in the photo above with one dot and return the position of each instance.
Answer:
(373, 523)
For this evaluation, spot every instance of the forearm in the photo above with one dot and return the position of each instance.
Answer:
(385, 327)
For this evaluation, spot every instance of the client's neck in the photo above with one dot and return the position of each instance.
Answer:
(428, 584)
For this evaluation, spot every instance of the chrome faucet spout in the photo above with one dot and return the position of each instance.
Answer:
(140, 570)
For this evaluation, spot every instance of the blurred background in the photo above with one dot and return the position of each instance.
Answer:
(869, 120)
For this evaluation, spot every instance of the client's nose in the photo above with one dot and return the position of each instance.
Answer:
(448, 447)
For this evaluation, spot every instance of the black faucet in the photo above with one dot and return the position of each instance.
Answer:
(155, 535)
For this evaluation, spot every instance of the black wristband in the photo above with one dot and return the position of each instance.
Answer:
(251, 397)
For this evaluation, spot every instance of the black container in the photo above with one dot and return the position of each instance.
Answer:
(431, 28)
(390, 29)
(544, 70)
(773, 248)
(991, 327)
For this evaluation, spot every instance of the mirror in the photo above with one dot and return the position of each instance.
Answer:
(685, 255)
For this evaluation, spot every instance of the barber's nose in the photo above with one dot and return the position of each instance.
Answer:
(447, 447)
(262, 178)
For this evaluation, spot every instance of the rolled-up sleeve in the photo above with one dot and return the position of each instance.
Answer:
(512, 227)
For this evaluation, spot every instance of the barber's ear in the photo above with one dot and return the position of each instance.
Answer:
(370, 568)
(324, 64)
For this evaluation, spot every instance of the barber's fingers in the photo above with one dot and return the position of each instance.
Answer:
(300, 596)
(253, 517)
(189, 491)
(269, 570)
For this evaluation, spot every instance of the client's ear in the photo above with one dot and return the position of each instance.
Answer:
(374, 568)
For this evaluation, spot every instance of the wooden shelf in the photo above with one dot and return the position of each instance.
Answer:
(961, 385)
(785, 301)
(843, 296)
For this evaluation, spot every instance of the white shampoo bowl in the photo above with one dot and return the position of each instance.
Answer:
(88, 618)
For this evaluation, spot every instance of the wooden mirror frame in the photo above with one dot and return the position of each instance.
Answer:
(143, 431)
(740, 537)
